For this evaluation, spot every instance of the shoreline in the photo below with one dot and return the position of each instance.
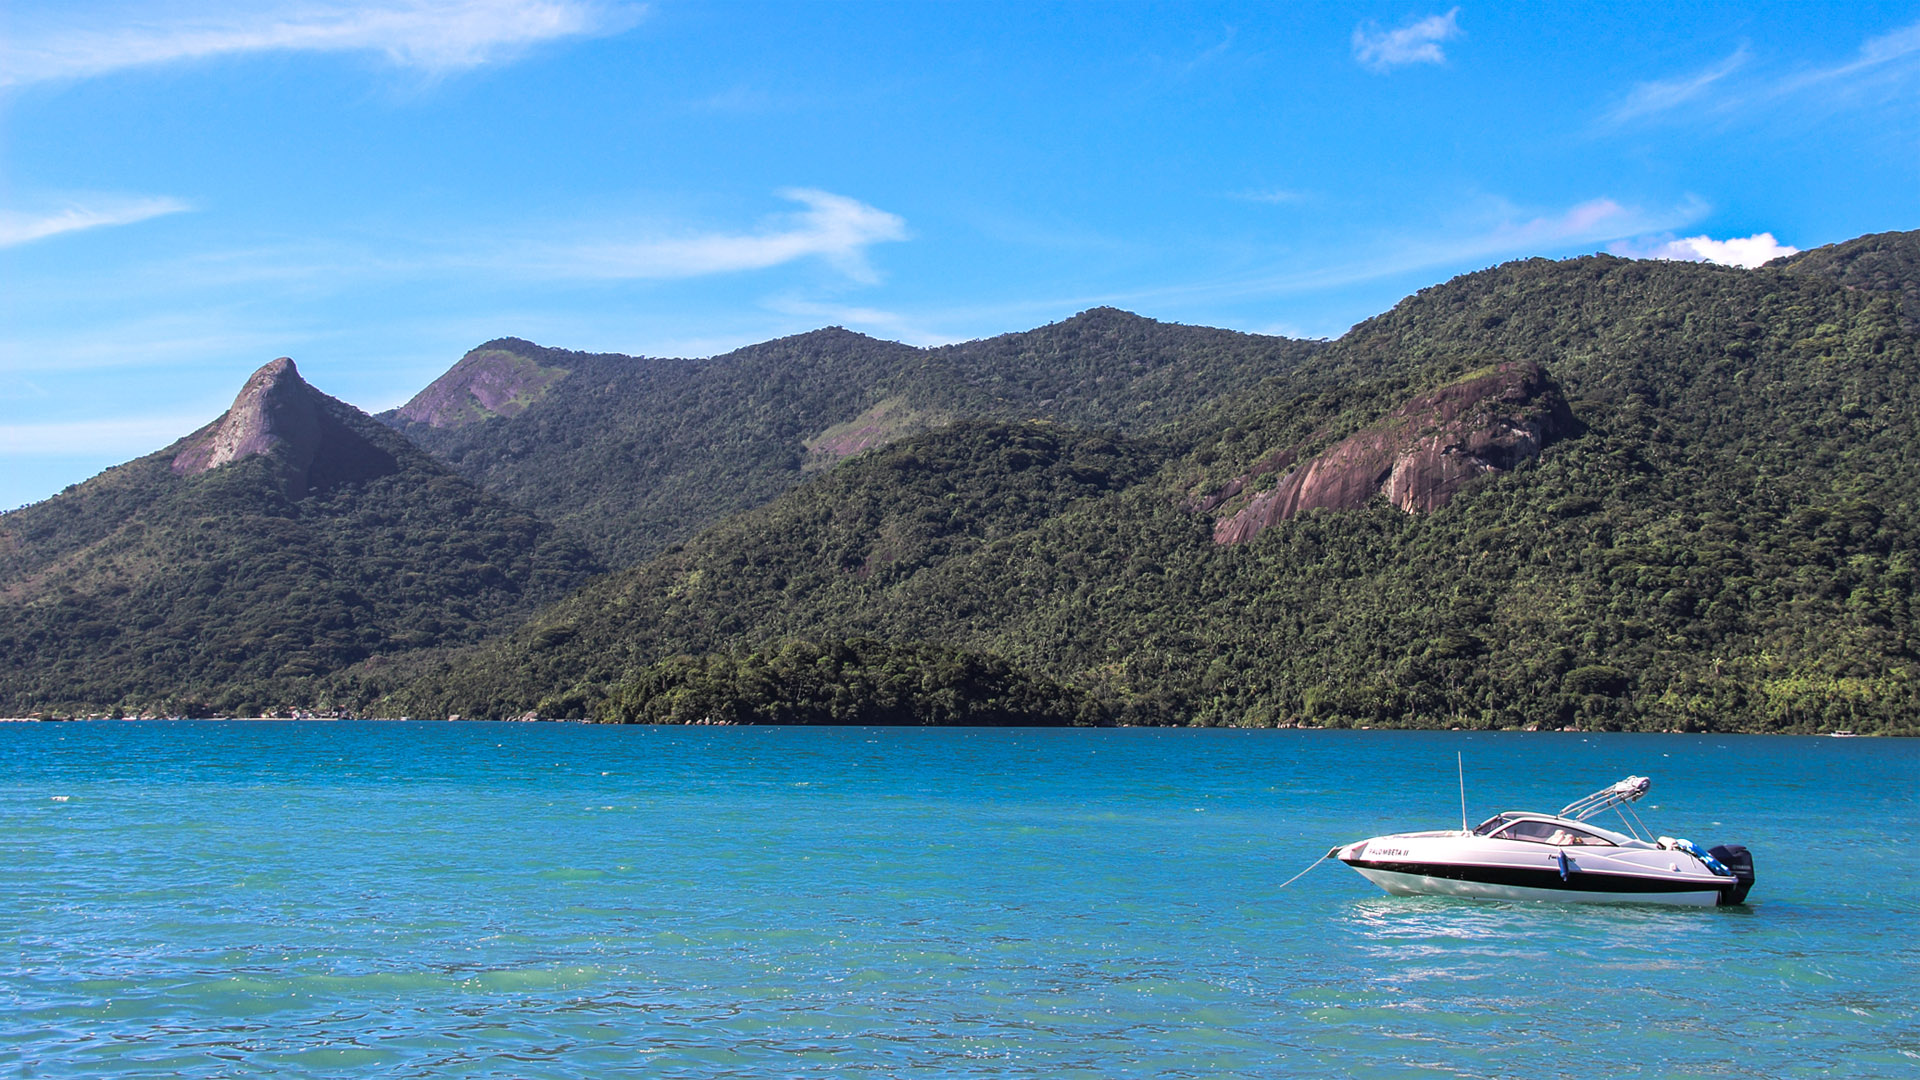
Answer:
(1036, 727)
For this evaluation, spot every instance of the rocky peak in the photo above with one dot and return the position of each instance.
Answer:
(1419, 455)
(274, 410)
(500, 378)
(278, 414)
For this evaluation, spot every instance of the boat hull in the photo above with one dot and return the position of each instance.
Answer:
(1451, 881)
(1495, 868)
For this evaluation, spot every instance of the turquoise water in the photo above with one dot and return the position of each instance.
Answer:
(333, 899)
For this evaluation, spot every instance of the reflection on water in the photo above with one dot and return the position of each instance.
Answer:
(530, 901)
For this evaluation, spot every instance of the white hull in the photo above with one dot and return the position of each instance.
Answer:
(1520, 856)
(1400, 884)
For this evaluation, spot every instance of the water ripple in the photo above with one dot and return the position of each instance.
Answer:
(228, 900)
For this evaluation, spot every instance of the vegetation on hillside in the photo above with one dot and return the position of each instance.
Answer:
(144, 591)
(1729, 545)
(1727, 540)
(1886, 262)
(797, 568)
(847, 682)
(633, 454)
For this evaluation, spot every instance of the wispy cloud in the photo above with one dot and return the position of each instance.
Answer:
(827, 228)
(1661, 95)
(1206, 57)
(177, 340)
(887, 324)
(739, 100)
(1274, 196)
(1891, 57)
(1415, 42)
(832, 227)
(112, 438)
(1501, 232)
(20, 227)
(431, 35)
(1747, 251)
(1485, 234)
(1884, 68)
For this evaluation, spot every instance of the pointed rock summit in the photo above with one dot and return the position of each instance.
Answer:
(278, 414)
(274, 410)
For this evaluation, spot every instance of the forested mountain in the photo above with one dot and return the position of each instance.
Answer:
(1599, 492)
(1887, 262)
(1720, 532)
(634, 453)
(248, 565)
(810, 563)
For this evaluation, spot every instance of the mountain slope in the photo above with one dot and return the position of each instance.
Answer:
(253, 562)
(1885, 262)
(808, 563)
(636, 453)
(1724, 538)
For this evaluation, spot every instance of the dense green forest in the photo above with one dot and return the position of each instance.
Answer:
(1887, 262)
(1723, 536)
(781, 571)
(143, 590)
(1727, 544)
(849, 682)
(632, 454)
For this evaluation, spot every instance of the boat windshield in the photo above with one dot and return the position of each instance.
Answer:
(1488, 826)
(1557, 833)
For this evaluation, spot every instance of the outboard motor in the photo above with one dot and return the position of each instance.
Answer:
(1740, 861)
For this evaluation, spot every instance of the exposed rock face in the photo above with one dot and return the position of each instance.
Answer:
(1418, 456)
(275, 410)
(886, 422)
(495, 379)
(277, 413)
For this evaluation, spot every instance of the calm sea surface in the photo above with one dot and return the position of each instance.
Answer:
(209, 899)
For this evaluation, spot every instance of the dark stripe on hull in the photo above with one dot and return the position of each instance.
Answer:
(1526, 878)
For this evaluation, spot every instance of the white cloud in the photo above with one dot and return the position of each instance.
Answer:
(17, 227)
(1661, 95)
(831, 227)
(1417, 42)
(1747, 251)
(433, 35)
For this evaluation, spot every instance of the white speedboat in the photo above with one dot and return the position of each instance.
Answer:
(1564, 857)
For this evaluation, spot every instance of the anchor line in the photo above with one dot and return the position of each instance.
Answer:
(1309, 868)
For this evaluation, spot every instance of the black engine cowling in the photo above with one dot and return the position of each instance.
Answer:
(1740, 861)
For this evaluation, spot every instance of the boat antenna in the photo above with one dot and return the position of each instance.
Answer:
(1460, 763)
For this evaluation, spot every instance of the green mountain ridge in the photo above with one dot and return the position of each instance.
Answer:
(1599, 492)
(253, 563)
(633, 453)
(1728, 543)
(1883, 262)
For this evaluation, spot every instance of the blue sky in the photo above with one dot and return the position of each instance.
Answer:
(190, 189)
